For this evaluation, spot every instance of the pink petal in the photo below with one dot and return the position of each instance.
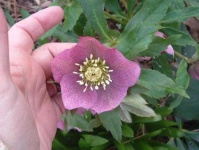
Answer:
(170, 50)
(160, 34)
(125, 72)
(73, 95)
(60, 124)
(110, 98)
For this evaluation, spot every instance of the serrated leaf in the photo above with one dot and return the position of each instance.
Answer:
(176, 102)
(185, 38)
(158, 45)
(125, 116)
(88, 30)
(182, 76)
(71, 13)
(137, 105)
(127, 131)
(176, 15)
(113, 6)
(111, 121)
(159, 84)
(94, 140)
(139, 32)
(161, 64)
(95, 16)
(78, 121)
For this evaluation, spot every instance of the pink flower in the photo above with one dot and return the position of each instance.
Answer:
(93, 76)
(169, 49)
(194, 71)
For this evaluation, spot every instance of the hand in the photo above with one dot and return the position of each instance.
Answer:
(29, 107)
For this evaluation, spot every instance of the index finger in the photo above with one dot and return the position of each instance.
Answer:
(24, 33)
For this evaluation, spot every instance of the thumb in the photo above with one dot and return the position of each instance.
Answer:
(4, 51)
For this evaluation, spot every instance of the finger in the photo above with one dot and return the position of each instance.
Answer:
(51, 88)
(24, 33)
(4, 51)
(44, 55)
(59, 106)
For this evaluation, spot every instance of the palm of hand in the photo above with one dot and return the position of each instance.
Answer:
(29, 108)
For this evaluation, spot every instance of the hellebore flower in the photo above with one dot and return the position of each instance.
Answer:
(93, 76)
(194, 71)
(169, 49)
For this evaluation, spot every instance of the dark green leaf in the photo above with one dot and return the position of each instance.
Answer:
(113, 6)
(161, 64)
(188, 109)
(183, 40)
(158, 45)
(78, 121)
(139, 31)
(94, 140)
(111, 121)
(71, 13)
(176, 15)
(176, 102)
(95, 16)
(159, 84)
(182, 76)
(127, 131)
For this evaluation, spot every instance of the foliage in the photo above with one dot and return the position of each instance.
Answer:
(156, 113)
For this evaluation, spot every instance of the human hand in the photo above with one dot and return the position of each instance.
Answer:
(29, 107)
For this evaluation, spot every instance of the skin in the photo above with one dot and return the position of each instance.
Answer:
(30, 108)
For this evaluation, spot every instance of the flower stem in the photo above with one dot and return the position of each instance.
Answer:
(181, 56)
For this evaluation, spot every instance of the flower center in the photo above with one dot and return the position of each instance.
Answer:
(93, 73)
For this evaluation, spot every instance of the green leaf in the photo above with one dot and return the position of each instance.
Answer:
(10, 19)
(139, 32)
(176, 102)
(94, 140)
(159, 84)
(127, 131)
(94, 12)
(161, 64)
(125, 116)
(113, 6)
(111, 121)
(71, 13)
(182, 76)
(78, 121)
(57, 144)
(24, 13)
(176, 15)
(173, 132)
(184, 39)
(137, 105)
(158, 45)
(188, 109)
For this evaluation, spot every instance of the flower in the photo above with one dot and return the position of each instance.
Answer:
(194, 71)
(169, 49)
(93, 76)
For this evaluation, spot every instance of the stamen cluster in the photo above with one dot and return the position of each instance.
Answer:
(93, 73)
